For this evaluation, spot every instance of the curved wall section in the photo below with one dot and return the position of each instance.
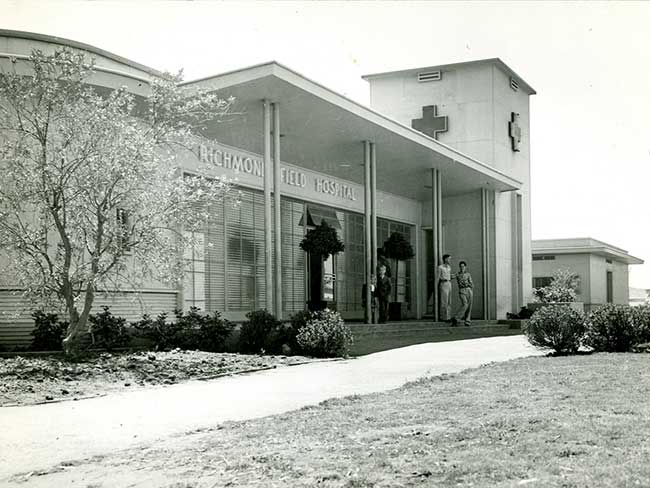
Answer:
(111, 71)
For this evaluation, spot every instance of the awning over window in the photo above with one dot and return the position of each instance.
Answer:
(317, 215)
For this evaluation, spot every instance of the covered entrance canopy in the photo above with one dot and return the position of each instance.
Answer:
(323, 131)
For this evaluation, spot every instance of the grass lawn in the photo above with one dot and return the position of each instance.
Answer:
(580, 421)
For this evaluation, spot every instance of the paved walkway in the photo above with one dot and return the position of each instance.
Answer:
(37, 437)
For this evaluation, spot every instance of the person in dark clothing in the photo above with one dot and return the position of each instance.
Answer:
(383, 260)
(383, 290)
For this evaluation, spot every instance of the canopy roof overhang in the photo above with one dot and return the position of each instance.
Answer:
(583, 245)
(324, 131)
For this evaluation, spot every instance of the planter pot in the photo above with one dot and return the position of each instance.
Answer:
(395, 311)
(577, 306)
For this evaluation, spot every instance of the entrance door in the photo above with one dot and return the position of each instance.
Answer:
(610, 287)
(321, 282)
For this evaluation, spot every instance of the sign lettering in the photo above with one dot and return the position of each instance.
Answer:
(334, 188)
(240, 162)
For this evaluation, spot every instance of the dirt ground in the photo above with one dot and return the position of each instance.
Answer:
(33, 380)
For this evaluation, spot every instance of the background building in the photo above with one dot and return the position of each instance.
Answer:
(602, 269)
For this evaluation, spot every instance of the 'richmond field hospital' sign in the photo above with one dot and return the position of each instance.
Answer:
(242, 163)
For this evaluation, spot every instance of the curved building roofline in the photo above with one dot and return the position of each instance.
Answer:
(79, 45)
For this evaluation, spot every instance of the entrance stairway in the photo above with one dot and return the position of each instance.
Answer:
(369, 338)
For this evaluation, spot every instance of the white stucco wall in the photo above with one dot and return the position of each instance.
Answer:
(462, 238)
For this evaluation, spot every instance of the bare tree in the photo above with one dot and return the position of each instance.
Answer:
(91, 197)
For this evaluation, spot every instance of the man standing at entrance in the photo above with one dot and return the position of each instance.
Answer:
(466, 295)
(444, 288)
(383, 289)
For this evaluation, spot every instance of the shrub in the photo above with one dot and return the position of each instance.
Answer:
(562, 288)
(107, 330)
(48, 332)
(185, 332)
(554, 294)
(612, 328)
(165, 334)
(325, 335)
(297, 322)
(261, 333)
(641, 315)
(153, 330)
(191, 330)
(213, 333)
(557, 327)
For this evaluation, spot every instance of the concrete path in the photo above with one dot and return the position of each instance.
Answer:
(37, 437)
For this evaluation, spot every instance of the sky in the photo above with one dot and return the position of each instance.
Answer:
(589, 63)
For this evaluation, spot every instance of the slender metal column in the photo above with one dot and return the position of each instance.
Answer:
(368, 243)
(268, 223)
(373, 209)
(485, 236)
(418, 272)
(306, 280)
(277, 194)
(439, 235)
(435, 250)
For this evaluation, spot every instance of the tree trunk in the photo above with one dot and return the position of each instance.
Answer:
(71, 342)
(78, 324)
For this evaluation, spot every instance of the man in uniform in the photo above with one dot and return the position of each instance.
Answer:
(444, 288)
(466, 295)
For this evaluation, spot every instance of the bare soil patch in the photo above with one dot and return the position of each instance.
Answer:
(30, 380)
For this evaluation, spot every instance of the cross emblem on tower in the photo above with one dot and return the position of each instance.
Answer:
(430, 123)
(515, 131)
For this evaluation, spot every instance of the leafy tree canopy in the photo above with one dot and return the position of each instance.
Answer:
(91, 196)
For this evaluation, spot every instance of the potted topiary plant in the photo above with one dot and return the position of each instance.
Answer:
(398, 248)
(319, 242)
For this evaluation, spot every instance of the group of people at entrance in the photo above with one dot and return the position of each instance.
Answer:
(465, 292)
(381, 286)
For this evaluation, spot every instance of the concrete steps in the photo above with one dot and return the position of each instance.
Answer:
(370, 338)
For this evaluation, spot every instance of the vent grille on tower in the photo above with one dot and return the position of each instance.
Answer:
(514, 85)
(429, 76)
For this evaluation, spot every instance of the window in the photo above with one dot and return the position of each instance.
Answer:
(293, 258)
(608, 261)
(542, 281)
